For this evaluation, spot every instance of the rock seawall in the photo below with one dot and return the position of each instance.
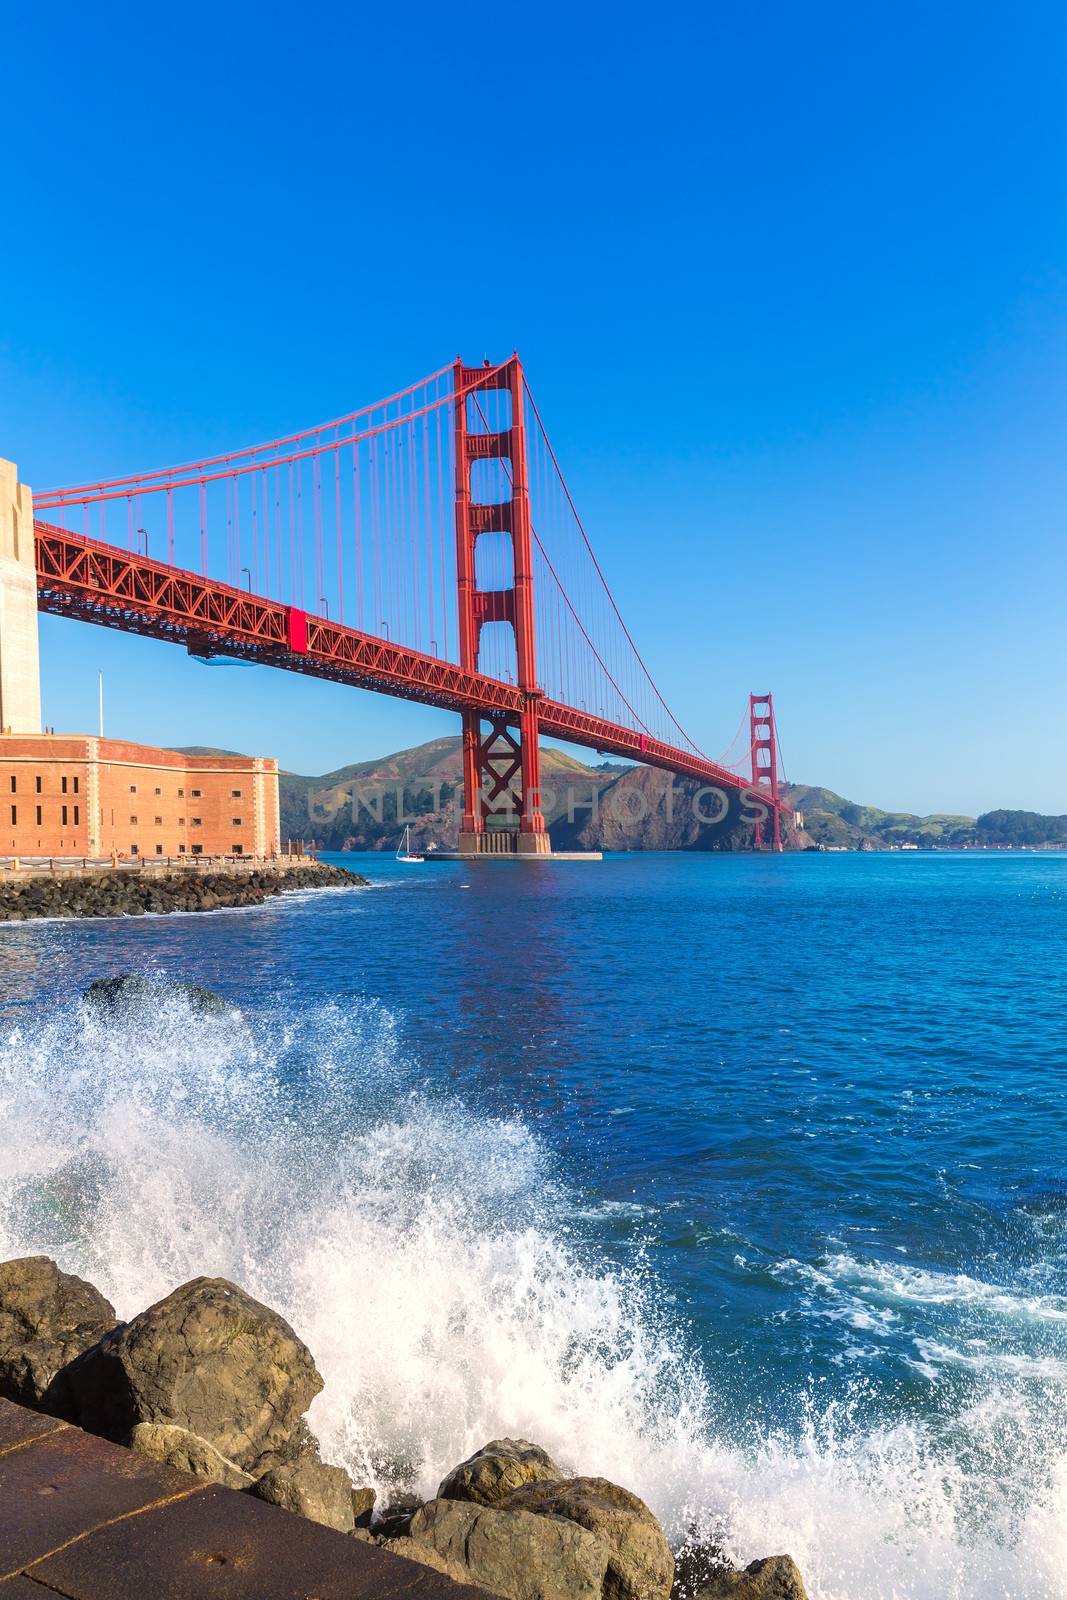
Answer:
(123, 893)
(213, 1383)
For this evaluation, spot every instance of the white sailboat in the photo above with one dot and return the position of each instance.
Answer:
(403, 849)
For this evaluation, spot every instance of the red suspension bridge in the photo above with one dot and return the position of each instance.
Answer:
(426, 546)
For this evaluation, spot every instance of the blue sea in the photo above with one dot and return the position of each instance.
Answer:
(740, 1180)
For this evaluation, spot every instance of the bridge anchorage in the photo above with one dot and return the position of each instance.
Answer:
(426, 546)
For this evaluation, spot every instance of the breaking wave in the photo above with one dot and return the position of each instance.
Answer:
(451, 1289)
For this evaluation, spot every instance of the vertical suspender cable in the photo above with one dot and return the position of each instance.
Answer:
(337, 514)
(426, 525)
(375, 537)
(416, 562)
(358, 517)
(278, 526)
(237, 529)
(300, 533)
(441, 527)
(294, 598)
(255, 530)
(316, 482)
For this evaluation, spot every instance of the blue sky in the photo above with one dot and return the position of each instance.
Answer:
(789, 284)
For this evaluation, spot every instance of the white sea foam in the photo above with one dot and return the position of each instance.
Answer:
(893, 1281)
(429, 1258)
(874, 1295)
(1016, 1363)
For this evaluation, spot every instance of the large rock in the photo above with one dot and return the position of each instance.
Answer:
(363, 1506)
(640, 1565)
(513, 1553)
(426, 1556)
(176, 1447)
(773, 1578)
(212, 1360)
(490, 1475)
(47, 1317)
(131, 988)
(310, 1489)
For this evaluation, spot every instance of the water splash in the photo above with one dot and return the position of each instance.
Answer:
(451, 1290)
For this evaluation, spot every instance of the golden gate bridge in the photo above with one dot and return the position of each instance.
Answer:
(426, 546)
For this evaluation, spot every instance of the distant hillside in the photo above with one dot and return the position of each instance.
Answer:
(832, 821)
(355, 807)
(1021, 828)
(610, 806)
(204, 750)
(636, 808)
(645, 809)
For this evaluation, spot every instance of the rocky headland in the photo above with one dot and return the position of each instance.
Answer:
(213, 1383)
(615, 806)
(119, 892)
(612, 806)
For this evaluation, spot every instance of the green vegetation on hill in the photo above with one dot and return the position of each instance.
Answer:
(356, 807)
(1021, 828)
(831, 820)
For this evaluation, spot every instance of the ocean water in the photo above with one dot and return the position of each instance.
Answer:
(740, 1180)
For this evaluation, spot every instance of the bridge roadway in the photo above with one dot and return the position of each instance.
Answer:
(96, 582)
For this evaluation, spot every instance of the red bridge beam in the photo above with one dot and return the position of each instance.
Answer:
(97, 582)
(579, 727)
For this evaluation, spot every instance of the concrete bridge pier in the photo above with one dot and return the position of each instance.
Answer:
(20, 668)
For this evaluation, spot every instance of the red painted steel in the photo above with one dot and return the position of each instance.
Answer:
(578, 674)
(764, 746)
(470, 624)
(296, 628)
(240, 463)
(615, 739)
(96, 582)
(80, 577)
(515, 605)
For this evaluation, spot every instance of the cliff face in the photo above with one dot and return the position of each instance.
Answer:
(644, 809)
(367, 805)
(611, 807)
(637, 811)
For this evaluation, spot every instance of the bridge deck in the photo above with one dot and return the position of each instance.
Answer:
(97, 582)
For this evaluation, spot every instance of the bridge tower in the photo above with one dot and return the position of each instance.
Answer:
(501, 773)
(764, 740)
(20, 669)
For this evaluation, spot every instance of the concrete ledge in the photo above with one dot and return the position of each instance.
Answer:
(90, 1520)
